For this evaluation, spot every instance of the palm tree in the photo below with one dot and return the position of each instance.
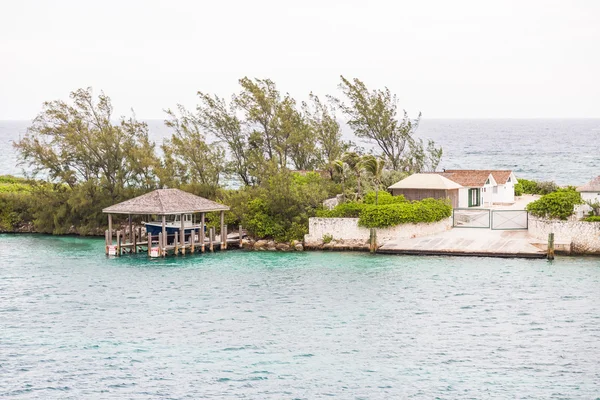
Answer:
(374, 166)
(354, 162)
(340, 167)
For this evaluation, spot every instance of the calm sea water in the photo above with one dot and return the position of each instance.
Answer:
(76, 325)
(563, 150)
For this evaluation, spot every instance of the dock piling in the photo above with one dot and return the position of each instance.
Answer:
(372, 240)
(551, 246)
(211, 239)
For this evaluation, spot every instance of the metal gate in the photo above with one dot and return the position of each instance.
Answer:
(471, 218)
(509, 219)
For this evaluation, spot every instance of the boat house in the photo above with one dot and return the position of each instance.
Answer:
(423, 186)
(180, 224)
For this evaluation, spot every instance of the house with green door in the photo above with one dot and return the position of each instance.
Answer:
(475, 188)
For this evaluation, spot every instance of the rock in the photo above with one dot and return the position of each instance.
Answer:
(283, 247)
(294, 243)
(260, 244)
(299, 247)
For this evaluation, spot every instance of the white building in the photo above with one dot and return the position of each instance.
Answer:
(476, 188)
(591, 190)
(483, 187)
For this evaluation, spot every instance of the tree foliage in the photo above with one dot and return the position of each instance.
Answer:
(373, 116)
(556, 205)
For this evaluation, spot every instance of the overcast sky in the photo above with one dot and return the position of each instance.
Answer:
(456, 59)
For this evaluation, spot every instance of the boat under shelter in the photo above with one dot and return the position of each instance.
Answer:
(180, 223)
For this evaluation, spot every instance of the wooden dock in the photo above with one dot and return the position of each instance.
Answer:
(137, 241)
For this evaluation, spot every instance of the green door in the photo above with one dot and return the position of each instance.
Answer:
(473, 197)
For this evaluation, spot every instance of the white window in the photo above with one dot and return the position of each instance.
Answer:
(495, 191)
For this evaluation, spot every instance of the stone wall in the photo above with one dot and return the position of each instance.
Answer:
(584, 236)
(348, 229)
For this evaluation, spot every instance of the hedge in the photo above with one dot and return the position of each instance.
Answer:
(383, 216)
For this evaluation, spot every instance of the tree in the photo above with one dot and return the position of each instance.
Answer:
(190, 158)
(354, 162)
(374, 166)
(340, 168)
(220, 119)
(327, 132)
(373, 115)
(78, 143)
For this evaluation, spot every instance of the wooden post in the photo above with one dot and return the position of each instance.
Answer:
(211, 238)
(119, 243)
(110, 232)
(176, 242)
(161, 249)
(163, 244)
(193, 240)
(106, 241)
(372, 240)
(202, 248)
(130, 230)
(223, 233)
(240, 230)
(149, 243)
(182, 235)
(551, 246)
(135, 242)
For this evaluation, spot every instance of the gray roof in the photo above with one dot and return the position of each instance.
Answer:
(591, 186)
(165, 202)
(426, 181)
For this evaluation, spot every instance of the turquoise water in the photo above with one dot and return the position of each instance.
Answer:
(75, 325)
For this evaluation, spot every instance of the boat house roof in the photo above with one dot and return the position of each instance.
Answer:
(165, 202)
(425, 181)
(591, 186)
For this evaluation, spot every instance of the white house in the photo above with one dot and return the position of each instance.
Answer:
(591, 190)
(476, 188)
(483, 187)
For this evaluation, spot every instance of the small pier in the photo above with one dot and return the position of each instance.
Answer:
(179, 227)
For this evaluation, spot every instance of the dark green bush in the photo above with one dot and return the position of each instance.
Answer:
(382, 216)
(556, 205)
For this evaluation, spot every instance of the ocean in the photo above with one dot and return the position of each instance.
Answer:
(305, 325)
(566, 151)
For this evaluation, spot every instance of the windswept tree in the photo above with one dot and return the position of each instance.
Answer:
(374, 166)
(77, 142)
(326, 132)
(341, 168)
(373, 116)
(188, 157)
(221, 120)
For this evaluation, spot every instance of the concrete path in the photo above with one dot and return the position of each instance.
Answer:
(468, 242)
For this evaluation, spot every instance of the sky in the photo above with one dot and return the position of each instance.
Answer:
(447, 59)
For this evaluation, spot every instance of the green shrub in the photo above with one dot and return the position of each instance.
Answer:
(327, 238)
(555, 205)
(592, 218)
(383, 198)
(519, 189)
(349, 209)
(535, 187)
(382, 216)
